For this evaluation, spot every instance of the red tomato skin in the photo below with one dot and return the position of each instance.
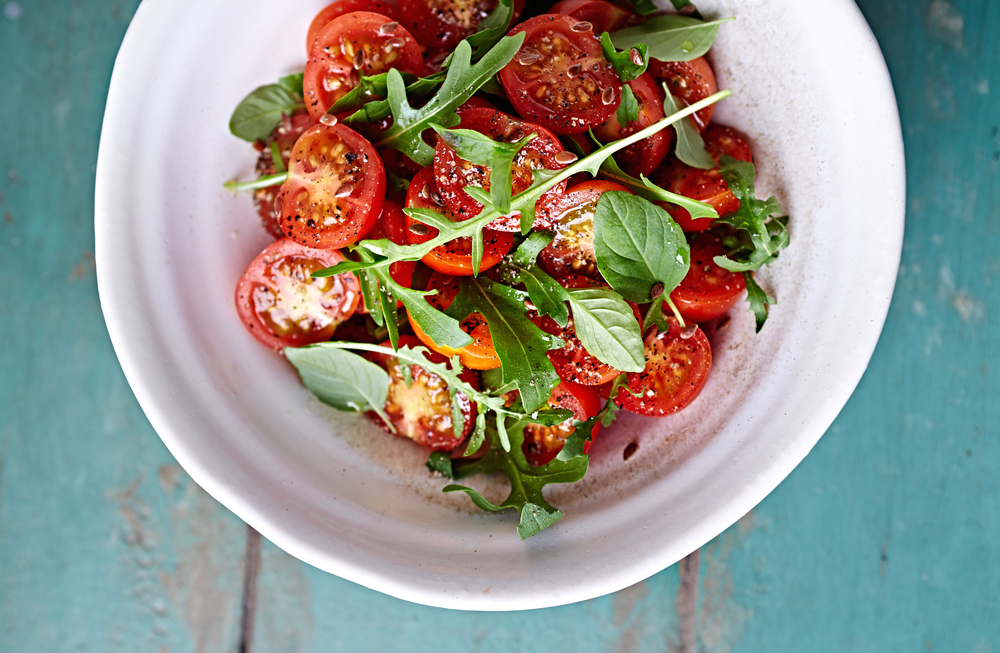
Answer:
(604, 16)
(330, 71)
(707, 291)
(689, 82)
(341, 7)
(265, 199)
(548, 93)
(543, 443)
(705, 185)
(453, 258)
(441, 24)
(309, 195)
(427, 391)
(643, 157)
(341, 299)
(452, 174)
(572, 218)
(658, 393)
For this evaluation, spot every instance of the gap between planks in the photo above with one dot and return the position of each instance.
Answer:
(249, 610)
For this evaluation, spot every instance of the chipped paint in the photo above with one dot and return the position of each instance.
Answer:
(945, 23)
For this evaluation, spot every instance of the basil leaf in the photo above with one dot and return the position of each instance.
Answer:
(690, 145)
(259, 113)
(638, 245)
(606, 326)
(643, 187)
(520, 345)
(624, 62)
(758, 300)
(292, 83)
(547, 295)
(670, 37)
(628, 108)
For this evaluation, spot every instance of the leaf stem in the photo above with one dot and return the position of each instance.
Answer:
(673, 308)
(266, 181)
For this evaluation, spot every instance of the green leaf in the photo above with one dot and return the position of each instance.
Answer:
(584, 431)
(624, 62)
(440, 462)
(606, 326)
(342, 379)
(547, 295)
(492, 28)
(628, 108)
(686, 8)
(462, 80)
(292, 83)
(643, 187)
(766, 233)
(670, 37)
(261, 182)
(690, 145)
(370, 294)
(644, 7)
(638, 245)
(370, 89)
(259, 113)
(758, 300)
(520, 345)
(655, 317)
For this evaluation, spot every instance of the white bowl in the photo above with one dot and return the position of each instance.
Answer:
(334, 491)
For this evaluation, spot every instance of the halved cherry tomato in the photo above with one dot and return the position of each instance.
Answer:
(453, 174)
(689, 82)
(572, 219)
(705, 185)
(439, 25)
(282, 305)
(335, 63)
(335, 188)
(480, 355)
(475, 102)
(573, 362)
(677, 369)
(284, 138)
(391, 225)
(422, 410)
(604, 16)
(643, 157)
(559, 78)
(707, 290)
(341, 7)
(455, 257)
(543, 443)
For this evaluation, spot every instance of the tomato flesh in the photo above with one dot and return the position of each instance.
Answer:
(455, 257)
(480, 355)
(543, 443)
(422, 410)
(572, 219)
(283, 138)
(604, 16)
(643, 157)
(282, 305)
(689, 82)
(453, 174)
(440, 24)
(334, 64)
(335, 188)
(559, 78)
(707, 291)
(338, 9)
(704, 185)
(677, 369)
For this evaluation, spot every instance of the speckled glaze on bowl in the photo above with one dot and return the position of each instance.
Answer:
(334, 491)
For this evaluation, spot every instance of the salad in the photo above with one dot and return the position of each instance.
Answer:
(495, 230)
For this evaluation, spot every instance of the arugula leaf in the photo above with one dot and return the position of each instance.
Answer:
(643, 187)
(628, 108)
(638, 245)
(341, 379)
(259, 113)
(686, 8)
(526, 481)
(767, 232)
(670, 37)
(492, 28)
(606, 326)
(625, 61)
(254, 184)
(374, 87)
(758, 300)
(547, 295)
(520, 345)
(462, 79)
(690, 145)
(584, 431)
(644, 6)
(440, 462)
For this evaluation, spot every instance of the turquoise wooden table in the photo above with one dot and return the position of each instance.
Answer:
(887, 537)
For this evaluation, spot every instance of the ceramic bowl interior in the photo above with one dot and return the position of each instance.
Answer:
(335, 491)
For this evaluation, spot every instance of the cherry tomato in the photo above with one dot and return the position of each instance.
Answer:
(572, 219)
(453, 174)
(335, 188)
(705, 185)
(335, 63)
(440, 24)
(282, 305)
(453, 258)
(475, 102)
(604, 16)
(543, 443)
(480, 355)
(573, 362)
(707, 290)
(391, 225)
(560, 78)
(341, 7)
(643, 157)
(422, 410)
(689, 82)
(677, 368)
(284, 138)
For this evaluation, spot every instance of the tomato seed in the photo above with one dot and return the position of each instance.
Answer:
(344, 191)
(608, 96)
(419, 229)
(574, 70)
(528, 57)
(635, 56)
(388, 28)
(425, 192)
(565, 158)
(396, 42)
(359, 59)
(434, 197)
(328, 119)
(689, 331)
(583, 26)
